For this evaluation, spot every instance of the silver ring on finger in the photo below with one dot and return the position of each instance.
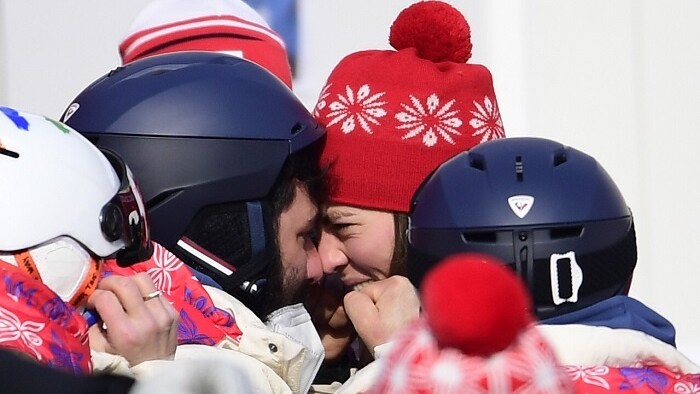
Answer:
(153, 295)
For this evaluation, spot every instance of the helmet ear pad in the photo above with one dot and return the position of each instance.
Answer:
(242, 237)
(223, 230)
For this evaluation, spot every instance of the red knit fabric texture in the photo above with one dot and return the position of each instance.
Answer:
(219, 33)
(437, 30)
(393, 116)
(474, 303)
(476, 335)
(416, 364)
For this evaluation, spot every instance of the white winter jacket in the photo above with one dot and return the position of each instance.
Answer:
(271, 362)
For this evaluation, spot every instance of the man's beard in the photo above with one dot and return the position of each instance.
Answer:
(284, 289)
(266, 267)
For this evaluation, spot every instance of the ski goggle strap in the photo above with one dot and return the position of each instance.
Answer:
(124, 216)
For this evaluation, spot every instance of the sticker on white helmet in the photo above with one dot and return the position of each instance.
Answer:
(521, 204)
(20, 121)
(58, 125)
(70, 111)
(574, 278)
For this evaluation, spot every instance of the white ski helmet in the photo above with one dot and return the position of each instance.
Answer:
(65, 205)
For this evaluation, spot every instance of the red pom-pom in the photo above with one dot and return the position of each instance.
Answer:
(438, 31)
(475, 303)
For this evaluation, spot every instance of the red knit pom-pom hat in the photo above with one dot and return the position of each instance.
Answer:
(229, 26)
(393, 116)
(476, 335)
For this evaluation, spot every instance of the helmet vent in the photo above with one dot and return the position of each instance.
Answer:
(559, 157)
(519, 168)
(114, 71)
(157, 200)
(153, 71)
(477, 161)
(566, 232)
(481, 237)
(297, 128)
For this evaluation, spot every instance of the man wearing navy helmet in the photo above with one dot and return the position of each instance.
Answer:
(227, 159)
(556, 217)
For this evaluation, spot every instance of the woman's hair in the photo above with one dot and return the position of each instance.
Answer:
(398, 259)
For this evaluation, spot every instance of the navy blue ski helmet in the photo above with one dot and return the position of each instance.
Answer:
(200, 130)
(549, 211)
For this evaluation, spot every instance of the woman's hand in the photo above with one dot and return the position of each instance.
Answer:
(138, 323)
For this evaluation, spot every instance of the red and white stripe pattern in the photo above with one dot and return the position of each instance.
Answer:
(227, 26)
(145, 41)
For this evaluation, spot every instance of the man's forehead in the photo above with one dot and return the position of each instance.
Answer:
(304, 205)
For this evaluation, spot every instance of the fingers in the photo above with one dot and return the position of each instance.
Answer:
(366, 318)
(138, 329)
(127, 290)
(325, 303)
(97, 338)
(380, 309)
(125, 296)
(107, 305)
(144, 283)
(361, 309)
(395, 285)
(158, 307)
(335, 345)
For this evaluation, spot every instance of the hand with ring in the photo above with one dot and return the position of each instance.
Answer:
(139, 324)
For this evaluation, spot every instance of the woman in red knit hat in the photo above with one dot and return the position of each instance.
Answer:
(392, 117)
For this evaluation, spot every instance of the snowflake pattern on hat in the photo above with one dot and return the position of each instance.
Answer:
(431, 120)
(487, 121)
(355, 108)
(321, 104)
(392, 116)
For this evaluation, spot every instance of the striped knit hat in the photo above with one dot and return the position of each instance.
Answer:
(229, 26)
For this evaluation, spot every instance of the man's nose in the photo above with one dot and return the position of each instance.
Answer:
(314, 268)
